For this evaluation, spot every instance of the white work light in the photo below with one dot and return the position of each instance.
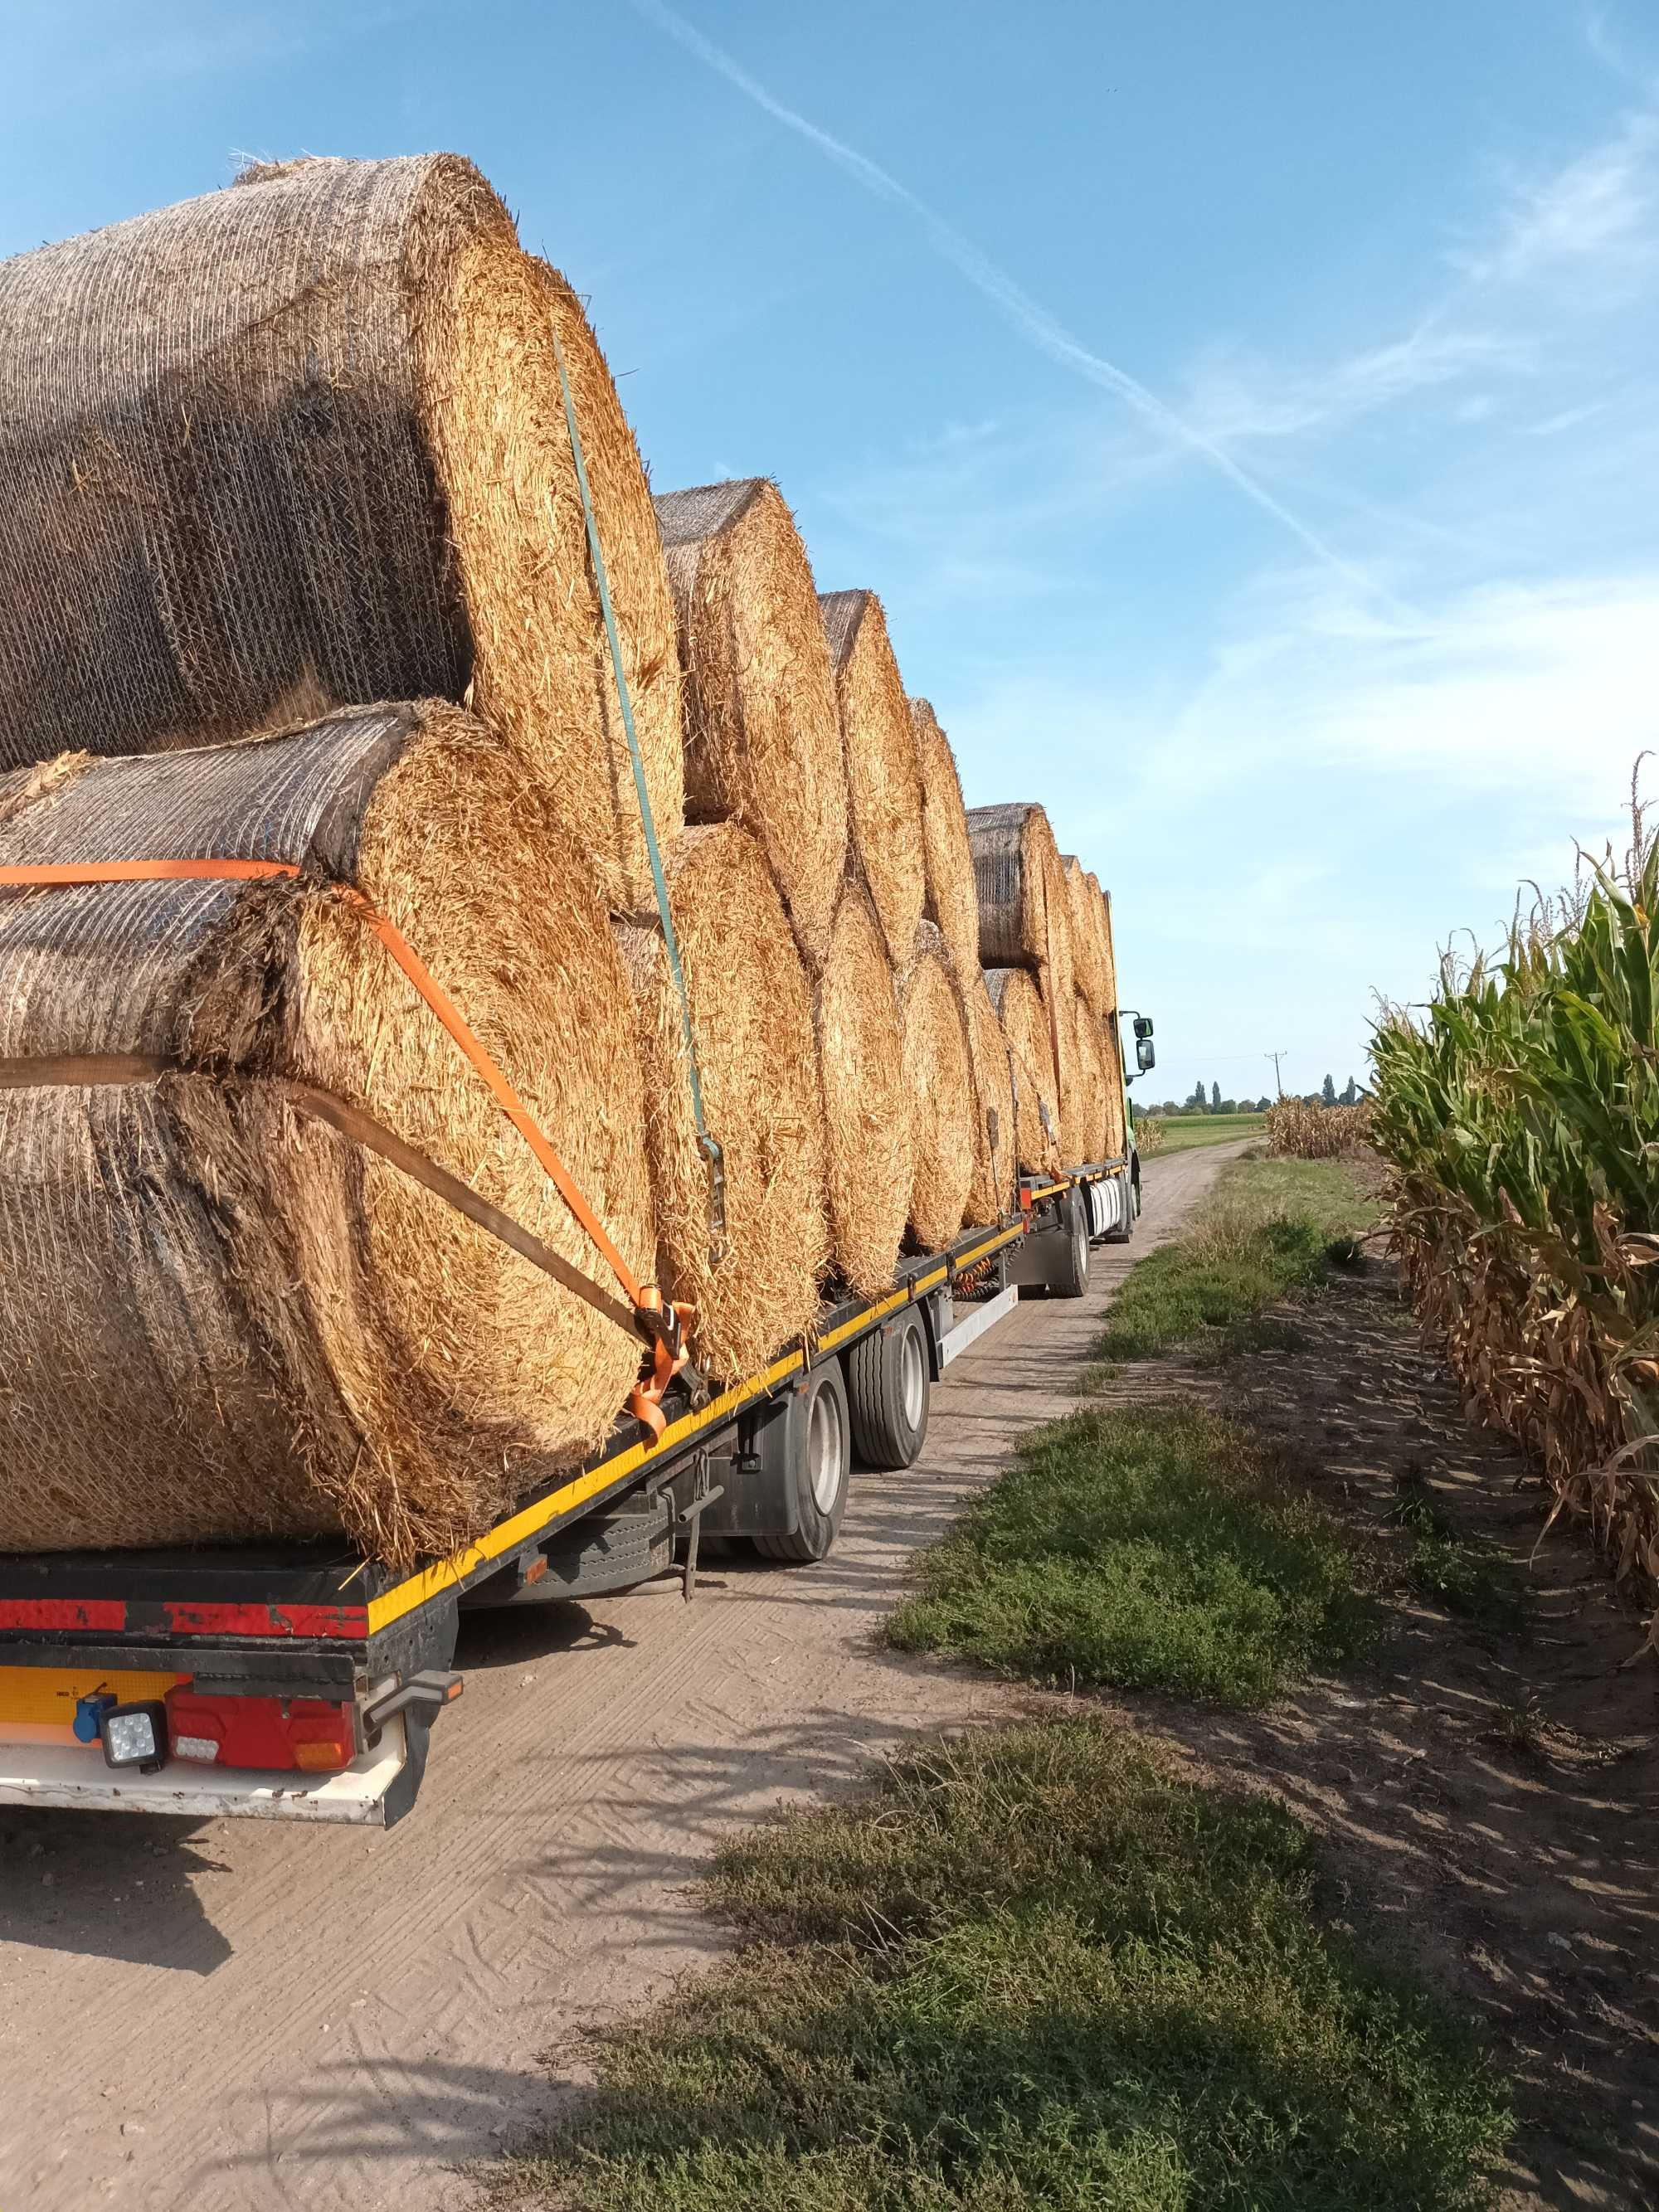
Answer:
(136, 1735)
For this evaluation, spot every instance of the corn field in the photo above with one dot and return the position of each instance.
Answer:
(1521, 1122)
(1301, 1132)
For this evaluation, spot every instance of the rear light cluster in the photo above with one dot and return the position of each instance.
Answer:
(308, 1734)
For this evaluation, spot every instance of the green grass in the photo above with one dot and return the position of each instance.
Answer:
(1453, 1570)
(1149, 1547)
(1269, 1230)
(1035, 1969)
(1182, 1132)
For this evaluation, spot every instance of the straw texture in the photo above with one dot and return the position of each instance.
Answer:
(952, 901)
(996, 1167)
(225, 1321)
(1092, 1100)
(299, 443)
(943, 1105)
(1087, 942)
(1107, 950)
(752, 1014)
(884, 782)
(1019, 1008)
(1015, 862)
(762, 730)
(867, 1105)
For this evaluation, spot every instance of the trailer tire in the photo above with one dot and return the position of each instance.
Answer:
(888, 1395)
(817, 1459)
(1071, 1277)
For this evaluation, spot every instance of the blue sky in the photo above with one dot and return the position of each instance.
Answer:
(1246, 413)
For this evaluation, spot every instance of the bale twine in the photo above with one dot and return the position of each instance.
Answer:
(1025, 1018)
(952, 901)
(752, 1018)
(939, 1080)
(300, 442)
(996, 1165)
(884, 782)
(762, 730)
(1086, 944)
(1091, 1103)
(223, 1320)
(866, 1104)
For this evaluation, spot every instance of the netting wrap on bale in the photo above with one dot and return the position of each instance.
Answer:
(1024, 1019)
(222, 1319)
(884, 782)
(938, 1079)
(752, 1020)
(301, 443)
(867, 1106)
(762, 730)
(951, 899)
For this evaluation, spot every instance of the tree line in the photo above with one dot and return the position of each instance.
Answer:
(1203, 1100)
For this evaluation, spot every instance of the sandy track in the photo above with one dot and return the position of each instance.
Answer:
(232, 2017)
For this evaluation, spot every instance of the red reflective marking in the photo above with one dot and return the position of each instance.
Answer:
(63, 1613)
(266, 1619)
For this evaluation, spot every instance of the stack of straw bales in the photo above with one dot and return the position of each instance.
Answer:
(302, 444)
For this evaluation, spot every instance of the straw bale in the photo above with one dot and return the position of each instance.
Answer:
(1015, 861)
(1091, 1102)
(952, 901)
(1086, 943)
(222, 1319)
(1107, 949)
(938, 1079)
(996, 1166)
(1018, 1000)
(762, 730)
(884, 782)
(1111, 1065)
(300, 442)
(866, 1104)
(752, 1018)
(1059, 979)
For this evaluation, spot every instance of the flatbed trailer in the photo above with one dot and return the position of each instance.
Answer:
(302, 1682)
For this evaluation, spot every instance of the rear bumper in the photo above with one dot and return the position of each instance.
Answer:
(76, 1779)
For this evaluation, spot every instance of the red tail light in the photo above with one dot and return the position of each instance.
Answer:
(306, 1733)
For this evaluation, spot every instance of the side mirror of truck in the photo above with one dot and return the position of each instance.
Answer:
(1146, 1052)
(1143, 1029)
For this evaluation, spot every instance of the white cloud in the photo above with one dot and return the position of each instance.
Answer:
(1595, 213)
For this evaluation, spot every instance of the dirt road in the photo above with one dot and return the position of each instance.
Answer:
(230, 2017)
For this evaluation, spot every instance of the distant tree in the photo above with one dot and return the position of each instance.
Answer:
(1327, 1092)
(1197, 1099)
(1263, 1103)
(1350, 1092)
(1215, 1098)
(1228, 1106)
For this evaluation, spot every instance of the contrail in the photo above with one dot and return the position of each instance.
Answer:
(1016, 306)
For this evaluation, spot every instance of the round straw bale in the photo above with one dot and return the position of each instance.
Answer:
(223, 1318)
(763, 731)
(953, 901)
(1015, 864)
(1018, 1000)
(751, 1019)
(1111, 1064)
(996, 1167)
(1102, 903)
(302, 442)
(1091, 1109)
(867, 1105)
(944, 1105)
(884, 782)
(1086, 935)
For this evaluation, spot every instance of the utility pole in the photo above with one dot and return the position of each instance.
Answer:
(1276, 1057)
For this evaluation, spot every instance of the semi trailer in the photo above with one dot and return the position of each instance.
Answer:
(297, 1681)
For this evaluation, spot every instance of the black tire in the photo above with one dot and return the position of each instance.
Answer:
(1071, 1277)
(888, 1395)
(817, 1460)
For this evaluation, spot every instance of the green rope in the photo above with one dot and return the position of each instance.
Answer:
(706, 1143)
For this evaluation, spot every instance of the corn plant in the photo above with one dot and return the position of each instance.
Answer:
(1299, 1131)
(1520, 1120)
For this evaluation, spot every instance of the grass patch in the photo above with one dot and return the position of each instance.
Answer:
(1035, 1969)
(1149, 1547)
(1469, 1579)
(1270, 1229)
(1181, 1132)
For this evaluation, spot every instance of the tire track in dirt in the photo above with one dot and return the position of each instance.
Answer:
(231, 2017)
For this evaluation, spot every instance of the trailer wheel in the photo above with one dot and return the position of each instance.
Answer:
(1071, 1277)
(817, 1460)
(887, 1390)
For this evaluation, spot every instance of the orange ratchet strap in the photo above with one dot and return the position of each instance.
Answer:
(661, 1325)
